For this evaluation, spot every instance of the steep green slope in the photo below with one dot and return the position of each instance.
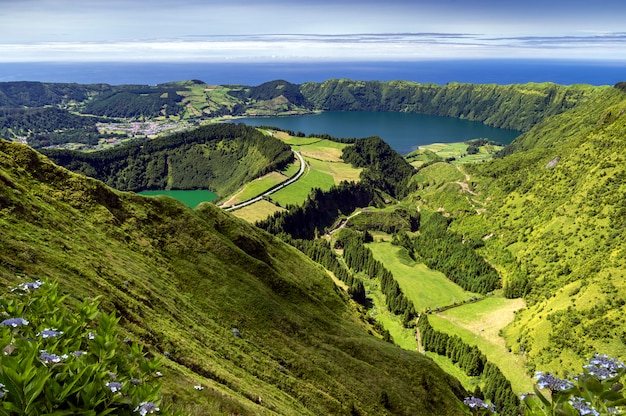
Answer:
(181, 280)
(220, 157)
(516, 106)
(551, 216)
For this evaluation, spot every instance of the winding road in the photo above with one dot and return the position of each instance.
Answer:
(274, 189)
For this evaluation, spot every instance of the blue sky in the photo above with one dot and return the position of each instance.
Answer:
(321, 30)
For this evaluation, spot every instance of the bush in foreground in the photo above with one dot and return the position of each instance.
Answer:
(57, 361)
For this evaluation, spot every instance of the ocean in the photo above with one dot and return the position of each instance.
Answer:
(437, 72)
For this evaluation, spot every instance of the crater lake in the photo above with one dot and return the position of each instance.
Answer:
(403, 131)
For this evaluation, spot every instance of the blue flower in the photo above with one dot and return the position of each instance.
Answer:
(48, 358)
(14, 322)
(603, 366)
(583, 406)
(475, 402)
(135, 381)
(146, 407)
(49, 333)
(29, 286)
(550, 381)
(114, 386)
(78, 354)
(3, 391)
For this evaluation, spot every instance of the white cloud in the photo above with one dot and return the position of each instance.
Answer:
(374, 47)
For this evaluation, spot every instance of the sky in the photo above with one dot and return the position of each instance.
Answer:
(320, 30)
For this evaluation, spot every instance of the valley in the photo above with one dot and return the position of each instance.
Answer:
(502, 259)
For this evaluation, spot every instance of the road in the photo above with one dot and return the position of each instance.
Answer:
(276, 188)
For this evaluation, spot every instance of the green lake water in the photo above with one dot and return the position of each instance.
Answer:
(403, 131)
(190, 198)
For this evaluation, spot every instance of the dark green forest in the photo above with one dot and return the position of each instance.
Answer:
(219, 157)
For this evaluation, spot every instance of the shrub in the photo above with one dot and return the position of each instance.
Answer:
(59, 361)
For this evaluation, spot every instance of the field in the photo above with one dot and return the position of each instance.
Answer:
(325, 168)
(403, 337)
(456, 151)
(257, 211)
(479, 324)
(297, 192)
(425, 287)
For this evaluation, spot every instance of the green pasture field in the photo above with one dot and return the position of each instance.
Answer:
(258, 186)
(403, 337)
(322, 150)
(257, 211)
(297, 192)
(458, 151)
(454, 370)
(339, 170)
(426, 288)
(486, 316)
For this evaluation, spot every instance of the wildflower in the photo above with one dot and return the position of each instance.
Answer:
(583, 406)
(48, 358)
(114, 386)
(603, 366)
(135, 381)
(78, 354)
(146, 407)
(158, 374)
(3, 391)
(475, 402)
(14, 322)
(29, 286)
(199, 388)
(550, 381)
(49, 333)
(91, 336)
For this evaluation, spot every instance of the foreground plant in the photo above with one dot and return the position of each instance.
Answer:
(597, 391)
(66, 362)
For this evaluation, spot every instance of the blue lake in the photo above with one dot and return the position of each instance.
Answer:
(403, 131)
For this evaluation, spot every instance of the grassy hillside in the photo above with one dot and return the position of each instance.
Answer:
(551, 217)
(181, 280)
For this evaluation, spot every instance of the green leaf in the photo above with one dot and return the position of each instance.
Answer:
(593, 385)
(33, 390)
(541, 397)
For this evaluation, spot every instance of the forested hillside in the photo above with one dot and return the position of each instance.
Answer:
(241, 322)
(220, 157)
(551, 218)
(517, 106)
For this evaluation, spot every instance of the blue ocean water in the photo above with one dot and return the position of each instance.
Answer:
(438, 72)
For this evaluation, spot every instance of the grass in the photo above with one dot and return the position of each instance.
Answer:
(257, 187)
(458, 151)
(181, 279)
(340, 171)
(479, 324)
(425, 287)
(403, 337)
(297, 192)
(257, 211)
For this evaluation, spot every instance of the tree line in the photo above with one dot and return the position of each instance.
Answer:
(360, 259)
(473, 362)
(48, 126)
(450, 253)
